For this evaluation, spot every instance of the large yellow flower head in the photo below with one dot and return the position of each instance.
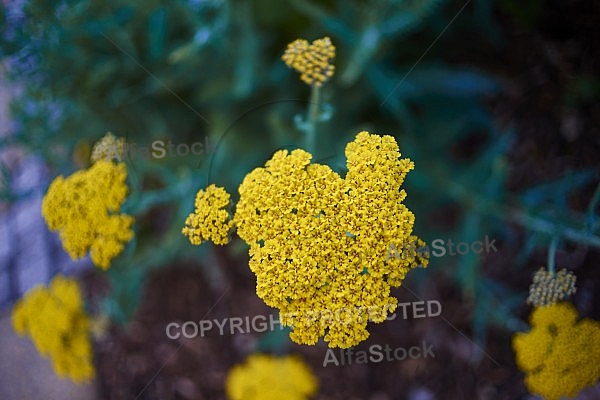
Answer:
(83, 207)
(210, 220)
(318, 242)
(55, 320)
(312, 61)
(559, 356)
(265, 377)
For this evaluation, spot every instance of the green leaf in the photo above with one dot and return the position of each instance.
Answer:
(157, 28)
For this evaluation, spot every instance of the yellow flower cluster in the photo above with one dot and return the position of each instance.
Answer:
(548, 288)
(210, 220)
(265, 377)
(55, 320)
(82, 206)
(102, 149)
(312, 61)
(560, 356)
(319, 242)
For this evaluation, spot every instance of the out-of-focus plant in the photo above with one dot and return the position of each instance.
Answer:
(560, 354)
(264, 377)
(55, 319)
(98, 66)
(82, 208)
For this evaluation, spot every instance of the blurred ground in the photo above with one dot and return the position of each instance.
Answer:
(24, 374)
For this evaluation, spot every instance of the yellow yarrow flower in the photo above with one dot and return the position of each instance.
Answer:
(319, 242)
(210, 220)
(55, 320)
(83, 207)
(265, 377)
(312, 61)
(559, 356)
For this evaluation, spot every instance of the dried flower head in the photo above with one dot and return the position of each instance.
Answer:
(548, 288)
(83, 209)
(55, 320)
(210, 220)
(312, 61)
(105, 147)
(264, 377)
(560, 355)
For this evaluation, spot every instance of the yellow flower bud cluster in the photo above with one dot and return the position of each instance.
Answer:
(548, 288)
(210, 220)
(265, 377)
(319, 241)
(82, 209)
(559, 356)
(103, 147)
(312, 61)
(55, 320)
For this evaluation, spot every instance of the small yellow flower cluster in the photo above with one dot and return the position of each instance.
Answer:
(319, 242)
(81, 208)
(548, 289)
(265, 377)
(102, 148)
(313, 61)
(210, 220)
(560, 356)
(55, 319)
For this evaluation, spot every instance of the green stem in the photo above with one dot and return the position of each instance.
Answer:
(551, 255)
(545, 226)
(248, 48)
(534, 223)
(363, 53)
(312, 119)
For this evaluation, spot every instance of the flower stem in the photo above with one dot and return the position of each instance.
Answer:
(551, 255)
(312, 119)
(363, 53)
